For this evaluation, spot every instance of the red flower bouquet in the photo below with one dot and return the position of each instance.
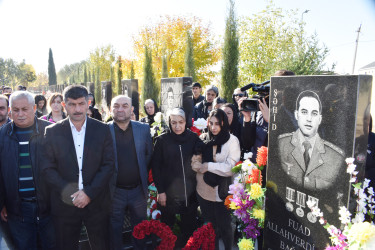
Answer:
(158, 228)
(203, 238)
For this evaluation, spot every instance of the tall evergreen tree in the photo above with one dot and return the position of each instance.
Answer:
(189, 57)
(119, 76)
(52, 78)
(89, 74)
(149, 88)
(85, 74)
(164, 73)
(98, 87)
(229, 68)
(132, 72)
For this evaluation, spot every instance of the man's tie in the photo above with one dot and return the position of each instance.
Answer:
(306, 155)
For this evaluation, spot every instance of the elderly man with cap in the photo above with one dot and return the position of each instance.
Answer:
(202, 109)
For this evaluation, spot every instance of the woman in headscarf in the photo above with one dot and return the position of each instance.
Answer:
(173, 176)
(220, 154)
(151, 108)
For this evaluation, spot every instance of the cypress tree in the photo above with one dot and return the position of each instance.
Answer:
(149, 89)
(98, 87)
(164, 73)
(119, 76)
(89, 74)
(189, 57)
(132, 73)
(85, 74)
(229, 68)
(52, 79)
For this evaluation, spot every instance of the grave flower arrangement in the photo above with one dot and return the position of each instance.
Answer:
(357, 233)
(247, 198)
(159, 125)
(202, 238)
(198, 126)
(152, 211)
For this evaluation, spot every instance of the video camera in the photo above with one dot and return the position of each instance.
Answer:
(263, 90)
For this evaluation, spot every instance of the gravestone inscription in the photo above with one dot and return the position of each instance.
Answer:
(316, 122)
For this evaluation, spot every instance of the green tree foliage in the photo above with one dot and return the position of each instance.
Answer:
(119, 75)
(274, 39)
(98, 87)
(13, 73)
(85, 79)
(149, 88)
(102, 58)
(132, 72)
(164, 73)
(189, 69)
(52, 78)
(229, 68)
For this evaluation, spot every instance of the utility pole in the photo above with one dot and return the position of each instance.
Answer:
(356, 46)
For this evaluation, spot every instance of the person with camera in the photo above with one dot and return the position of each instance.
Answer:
(254, 133)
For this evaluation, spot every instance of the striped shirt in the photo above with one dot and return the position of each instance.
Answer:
(26, 180)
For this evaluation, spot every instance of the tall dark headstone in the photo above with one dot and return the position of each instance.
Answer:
(176, 93)
(129, 88)
(106, 96)
(91, 87)
(316, 122)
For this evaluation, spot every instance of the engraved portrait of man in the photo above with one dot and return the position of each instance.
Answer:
(308, 160)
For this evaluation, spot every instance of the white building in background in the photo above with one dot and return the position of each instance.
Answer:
(368, 70)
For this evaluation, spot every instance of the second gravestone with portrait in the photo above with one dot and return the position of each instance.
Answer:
(176, 93)
(316, 122)
(129, 87)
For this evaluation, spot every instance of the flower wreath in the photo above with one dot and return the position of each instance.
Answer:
(204, 237)
(158, 228)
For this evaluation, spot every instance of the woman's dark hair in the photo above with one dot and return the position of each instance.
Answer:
(222, 119)
(170, 89)
(74, 92)
(39, 98)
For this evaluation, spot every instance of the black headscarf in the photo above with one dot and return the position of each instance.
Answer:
(150, 118)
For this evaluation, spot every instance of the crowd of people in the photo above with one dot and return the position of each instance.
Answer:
(61, 166)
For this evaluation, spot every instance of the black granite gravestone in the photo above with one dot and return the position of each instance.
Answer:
(129, 87)
(106, 97)
(91, 87)
(316, 122)
(176, 93)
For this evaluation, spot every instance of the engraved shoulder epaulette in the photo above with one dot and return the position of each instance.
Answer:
(285, 135)
(334, 147)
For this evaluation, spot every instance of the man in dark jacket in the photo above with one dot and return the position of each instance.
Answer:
(24, 197)
(197, 90)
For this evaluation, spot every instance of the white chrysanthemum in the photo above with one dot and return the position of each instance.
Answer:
(344, 215)
(248, 166)
(316, 211)
(351, 168)
(152, 131)
(359, 217)
(353, 179)
(349, 160)
(200, 123)
(370, 190)
(248, 155)
(321, 220)
(366, 182)
(158, 117)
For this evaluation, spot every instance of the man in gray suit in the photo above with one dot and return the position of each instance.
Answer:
(133, 150)
(309, 161)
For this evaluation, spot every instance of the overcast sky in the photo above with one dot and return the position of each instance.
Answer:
(73, 28)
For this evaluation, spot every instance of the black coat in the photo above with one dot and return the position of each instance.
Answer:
(173, 175)
(9, 146)
(60, 166)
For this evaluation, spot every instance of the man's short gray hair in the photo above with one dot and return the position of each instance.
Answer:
(120, 96)
(21, 94)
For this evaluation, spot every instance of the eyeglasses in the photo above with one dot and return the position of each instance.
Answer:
(239, 95)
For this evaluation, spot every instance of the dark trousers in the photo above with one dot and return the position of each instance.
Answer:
(219, 216)
(135, 201)
(68, 229)
(188, 217)
(25, 230)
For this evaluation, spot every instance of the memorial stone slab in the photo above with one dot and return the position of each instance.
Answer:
(91, 87)
(129, 87)
(106, 88)
(177, 93)
(316, 122)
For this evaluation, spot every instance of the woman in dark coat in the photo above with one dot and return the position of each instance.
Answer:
(151, 108)
(173, 176)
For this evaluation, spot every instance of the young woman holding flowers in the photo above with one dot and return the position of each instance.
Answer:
(173, 176)
(56, 108)
(221, 152)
